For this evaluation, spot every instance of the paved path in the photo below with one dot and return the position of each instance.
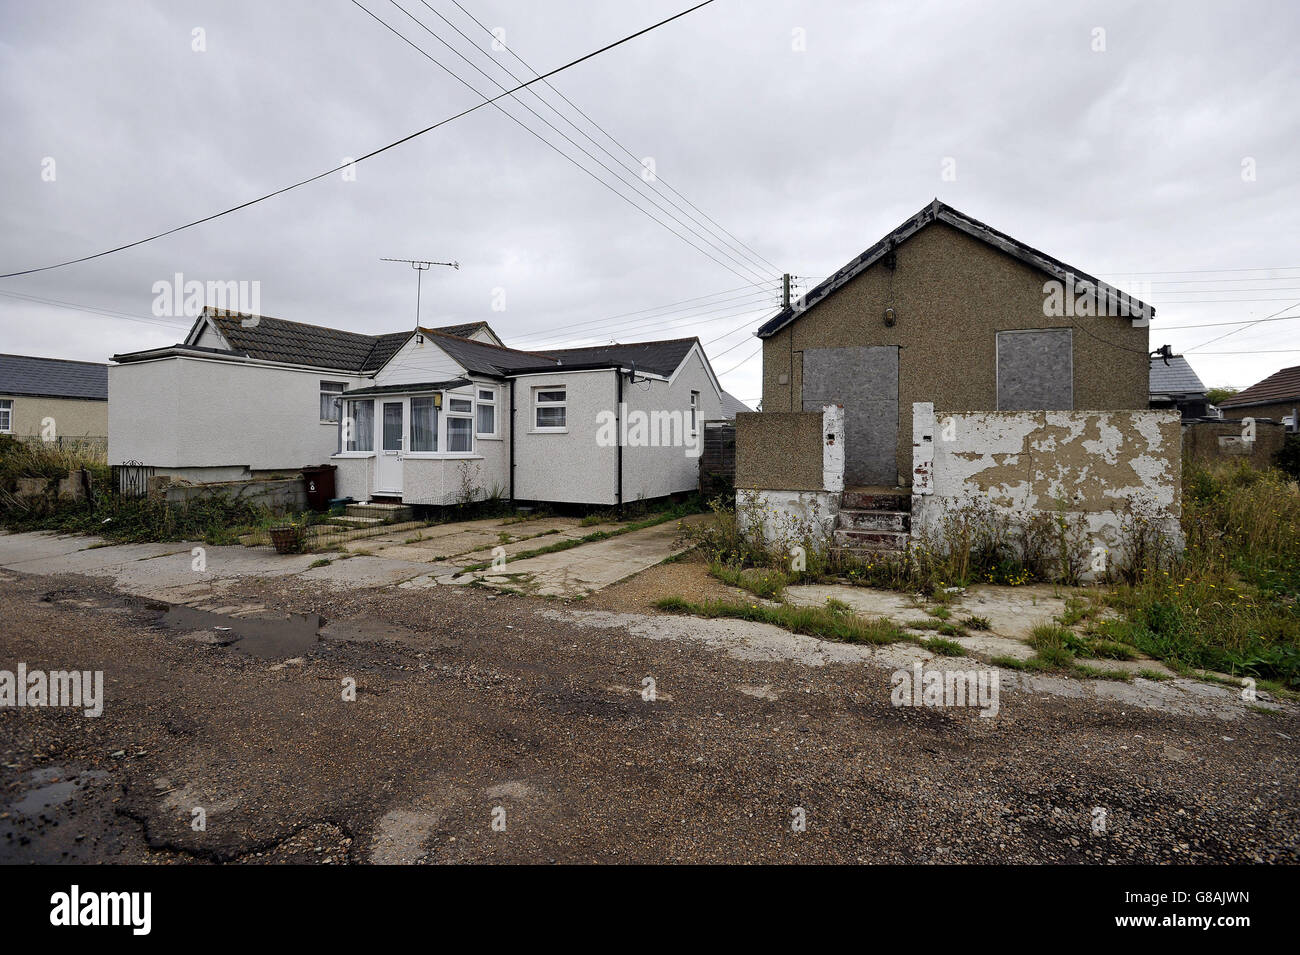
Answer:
(197, 574)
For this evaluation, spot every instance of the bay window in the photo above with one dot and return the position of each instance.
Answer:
(460, 424)
(424, 424)
(359, 425)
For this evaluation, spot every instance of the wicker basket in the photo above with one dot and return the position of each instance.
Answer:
(287, 540)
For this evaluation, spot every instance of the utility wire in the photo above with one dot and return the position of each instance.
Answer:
(750, 295)
(454, 75)
(369, 155)
(662, 321)
(739, 363)
(1242, 329)
(608, 135)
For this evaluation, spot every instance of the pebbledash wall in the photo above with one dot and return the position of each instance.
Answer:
(789, 474)
(1097, 464)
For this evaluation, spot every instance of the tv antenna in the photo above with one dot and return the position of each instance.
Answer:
(421, 266)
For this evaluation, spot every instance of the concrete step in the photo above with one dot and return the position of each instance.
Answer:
(381, 511)
(861, 500)
(852, 520)
(358, 521)
(871, 541)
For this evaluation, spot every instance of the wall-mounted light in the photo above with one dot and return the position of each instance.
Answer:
(890, 318)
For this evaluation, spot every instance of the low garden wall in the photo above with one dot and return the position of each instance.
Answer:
(1099, 486)
(789, 474)
(1255, 441)
(282, 496)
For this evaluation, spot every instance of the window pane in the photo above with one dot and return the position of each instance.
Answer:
(487, 394)
(487, 418)
(392, 426)
(544, 396)
(362, 431)
(424, 425)
(550, 417)
(459, 405)
(329, 390)
(460, 434)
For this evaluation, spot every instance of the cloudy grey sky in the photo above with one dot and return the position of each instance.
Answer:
(805, 129)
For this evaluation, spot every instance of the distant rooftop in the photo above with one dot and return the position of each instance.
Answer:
(53, 378)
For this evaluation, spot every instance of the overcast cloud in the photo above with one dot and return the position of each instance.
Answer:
(1127, 160)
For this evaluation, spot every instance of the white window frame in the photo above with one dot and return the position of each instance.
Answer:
(338, 395)
(479, 401)
(695, 412)
(412, 452)
(7, 409)
(537, 404)
(345, 452)
(449, 415)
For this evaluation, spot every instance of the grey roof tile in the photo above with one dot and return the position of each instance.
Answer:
(53, 377)
(1175, 378)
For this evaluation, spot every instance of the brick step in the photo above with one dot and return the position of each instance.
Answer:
(380, 511)
(853, 500)
(871, 541)
(852, 520)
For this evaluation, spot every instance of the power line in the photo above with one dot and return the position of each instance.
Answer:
(608, 135)
(1242, 329)
(738, 364)
(501, 109)
(665, 325)
(106, 312)
(1240, 321)
(750, 295)
(1280, 268)
(369, 155)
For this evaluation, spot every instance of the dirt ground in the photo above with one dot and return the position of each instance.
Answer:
(501, 729)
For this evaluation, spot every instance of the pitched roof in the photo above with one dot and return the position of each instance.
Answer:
(938, 211)
(657, 358)
(731, 404)
(53, 378)
(1279, 386)
(484, 358)
(1175, 378)
(298, 343)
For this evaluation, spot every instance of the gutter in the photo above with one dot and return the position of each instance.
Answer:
(512, 440)
(618, 438)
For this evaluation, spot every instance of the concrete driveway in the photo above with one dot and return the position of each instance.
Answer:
(194, 573)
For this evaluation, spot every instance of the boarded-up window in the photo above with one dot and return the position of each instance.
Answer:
(1036, 370)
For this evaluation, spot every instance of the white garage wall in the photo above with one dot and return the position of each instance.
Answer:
(198, 413)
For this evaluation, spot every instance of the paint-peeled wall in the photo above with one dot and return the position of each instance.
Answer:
(1104, 473)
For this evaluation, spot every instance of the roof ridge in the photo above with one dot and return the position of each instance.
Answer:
(475, 341)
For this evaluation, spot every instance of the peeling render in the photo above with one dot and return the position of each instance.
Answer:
(1097, 464)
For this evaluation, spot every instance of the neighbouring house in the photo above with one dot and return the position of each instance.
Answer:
(1175, 385)
(53, 399)
(950, 366)
(731, 406)
(431, 416)
(947, 310)
(1276, 397)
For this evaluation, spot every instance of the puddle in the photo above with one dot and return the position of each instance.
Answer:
(261, 637)
(54, 787)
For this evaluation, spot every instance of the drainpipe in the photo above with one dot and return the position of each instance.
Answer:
(512, 440)
(618, 437)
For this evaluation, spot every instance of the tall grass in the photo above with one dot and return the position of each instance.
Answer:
(1229, 602)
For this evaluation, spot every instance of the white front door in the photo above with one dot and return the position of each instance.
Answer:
(388, 460)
